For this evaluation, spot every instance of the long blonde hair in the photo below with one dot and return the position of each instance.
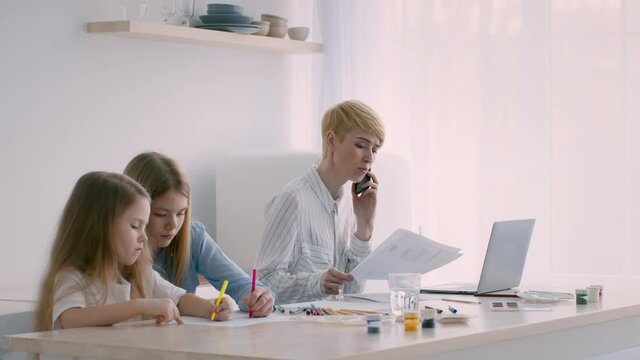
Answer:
(159, 174)
(83, 240)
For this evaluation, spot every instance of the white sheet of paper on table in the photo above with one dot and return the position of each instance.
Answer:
(239, 319)
(404, 252)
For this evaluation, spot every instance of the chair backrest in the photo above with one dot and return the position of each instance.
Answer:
(245, 182)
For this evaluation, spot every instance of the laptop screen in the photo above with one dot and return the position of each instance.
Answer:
(506, 255)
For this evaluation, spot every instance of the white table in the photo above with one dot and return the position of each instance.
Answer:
(568, 331)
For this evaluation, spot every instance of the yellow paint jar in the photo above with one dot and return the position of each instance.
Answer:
(411, 320)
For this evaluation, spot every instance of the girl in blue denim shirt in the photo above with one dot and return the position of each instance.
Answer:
(181, 252)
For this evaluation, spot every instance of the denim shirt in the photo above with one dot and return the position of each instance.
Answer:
(208, 260)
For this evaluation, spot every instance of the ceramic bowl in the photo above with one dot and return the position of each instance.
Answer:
(273, 18)
(225, 19)
(264, 27)
(224, 9)
(278, 31)
(298, 33)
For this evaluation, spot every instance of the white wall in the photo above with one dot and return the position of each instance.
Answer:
(72, 102)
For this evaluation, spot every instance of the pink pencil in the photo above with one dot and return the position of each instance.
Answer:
(253, 288)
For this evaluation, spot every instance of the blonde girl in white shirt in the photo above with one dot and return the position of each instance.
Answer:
(100, 273)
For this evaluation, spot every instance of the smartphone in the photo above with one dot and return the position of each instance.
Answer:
(360, 188)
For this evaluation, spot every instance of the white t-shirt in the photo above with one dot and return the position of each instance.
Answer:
(70, 293)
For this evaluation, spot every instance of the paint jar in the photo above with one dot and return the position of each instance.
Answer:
(428, 318)
(593, 294)
(411, 320)
(600, 291)
(581, 296)
(373, 324)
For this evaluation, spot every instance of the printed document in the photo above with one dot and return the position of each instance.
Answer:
(405, 252)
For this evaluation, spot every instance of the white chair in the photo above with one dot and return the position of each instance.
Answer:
(245, 182)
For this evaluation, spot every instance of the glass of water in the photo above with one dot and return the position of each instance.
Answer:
(336, 297)
(185, 11)
(167, 9)
(404, 292)
(133, 9)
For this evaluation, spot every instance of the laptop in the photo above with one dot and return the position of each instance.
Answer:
(503, 262)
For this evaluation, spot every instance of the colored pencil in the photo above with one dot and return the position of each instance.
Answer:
(462, 301)
(220, 296)
(253, 288)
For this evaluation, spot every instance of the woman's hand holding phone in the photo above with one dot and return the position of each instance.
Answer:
(361, 186)
(364, 205)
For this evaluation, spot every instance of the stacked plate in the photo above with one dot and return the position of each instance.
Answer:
(227, 17)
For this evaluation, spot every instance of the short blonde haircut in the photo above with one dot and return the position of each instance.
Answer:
(350, 115)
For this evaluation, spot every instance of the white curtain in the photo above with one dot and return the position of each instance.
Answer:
(506, 109)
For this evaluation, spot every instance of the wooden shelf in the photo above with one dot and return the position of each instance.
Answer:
(182, 34)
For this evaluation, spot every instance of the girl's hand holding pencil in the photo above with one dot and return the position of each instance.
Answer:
(222, 311)
(219, 305)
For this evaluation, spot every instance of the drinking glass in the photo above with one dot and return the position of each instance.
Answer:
(133, 9)
(167, 9)
(337, 297)
(404, 292)
(185, 11)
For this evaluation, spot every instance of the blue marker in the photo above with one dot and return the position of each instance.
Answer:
(452, 309)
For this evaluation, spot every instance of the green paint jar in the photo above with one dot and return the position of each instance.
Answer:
(581, 296)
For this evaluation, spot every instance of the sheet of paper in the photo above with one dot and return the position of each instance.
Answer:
(375, 297)
(239, 319)
(405, 252)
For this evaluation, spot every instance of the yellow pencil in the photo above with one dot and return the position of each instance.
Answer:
(220, 296)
